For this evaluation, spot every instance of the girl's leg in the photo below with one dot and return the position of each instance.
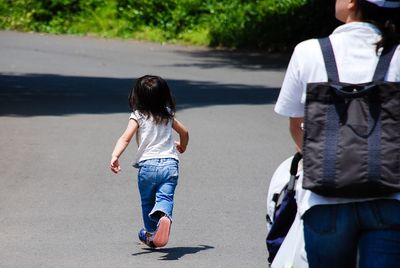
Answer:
(162, 211)
(168, 174)
(147, 188)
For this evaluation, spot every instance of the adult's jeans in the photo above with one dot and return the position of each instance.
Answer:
(335, 234)
(157, 180)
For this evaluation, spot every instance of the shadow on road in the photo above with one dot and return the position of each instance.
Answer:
(244, 60)
(172, 254)
(47, 94)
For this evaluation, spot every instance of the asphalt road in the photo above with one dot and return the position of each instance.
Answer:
(63, 104)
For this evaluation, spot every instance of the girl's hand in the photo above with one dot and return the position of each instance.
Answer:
(115, 167)
(181, 149)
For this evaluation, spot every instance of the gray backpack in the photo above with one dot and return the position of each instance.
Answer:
(351, 144)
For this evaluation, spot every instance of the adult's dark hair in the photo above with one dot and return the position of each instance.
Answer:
(151, 96)
(386, 19)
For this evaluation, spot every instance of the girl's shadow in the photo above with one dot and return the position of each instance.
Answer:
(176, 253)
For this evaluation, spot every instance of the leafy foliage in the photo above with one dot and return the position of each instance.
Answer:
(264, 24)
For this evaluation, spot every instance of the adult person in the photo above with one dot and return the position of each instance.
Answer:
(338, 232)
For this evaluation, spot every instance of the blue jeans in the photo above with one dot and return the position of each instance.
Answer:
(336, 234)
(157, 180)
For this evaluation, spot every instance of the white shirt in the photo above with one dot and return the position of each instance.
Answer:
(355, 54)
(356, 58)
(154, 140)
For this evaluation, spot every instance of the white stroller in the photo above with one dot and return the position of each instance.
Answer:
(285, 240)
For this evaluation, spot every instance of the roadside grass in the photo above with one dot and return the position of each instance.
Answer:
(255, 24)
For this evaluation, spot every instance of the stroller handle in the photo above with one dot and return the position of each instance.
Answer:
(293, 171)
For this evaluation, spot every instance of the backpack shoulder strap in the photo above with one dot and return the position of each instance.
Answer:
(383, 63)
(329, 59)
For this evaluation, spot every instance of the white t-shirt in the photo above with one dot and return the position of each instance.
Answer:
(355, 54)
(154, 140)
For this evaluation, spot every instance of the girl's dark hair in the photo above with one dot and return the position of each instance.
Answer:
(386, 19)
(151, 97)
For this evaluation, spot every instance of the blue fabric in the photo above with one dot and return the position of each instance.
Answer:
(283, 219)
(329, 160)
(285, 211)
(157, 180)
(374, 141)
(334, 234)
(384, 63)
(329, 59)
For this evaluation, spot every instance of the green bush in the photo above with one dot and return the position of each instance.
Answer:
(262, 24)
(272, 24)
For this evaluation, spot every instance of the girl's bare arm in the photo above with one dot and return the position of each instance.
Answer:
(183, 136)
(121, 145)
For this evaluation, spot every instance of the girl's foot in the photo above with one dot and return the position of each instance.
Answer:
(161, 236)
(146, 237)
